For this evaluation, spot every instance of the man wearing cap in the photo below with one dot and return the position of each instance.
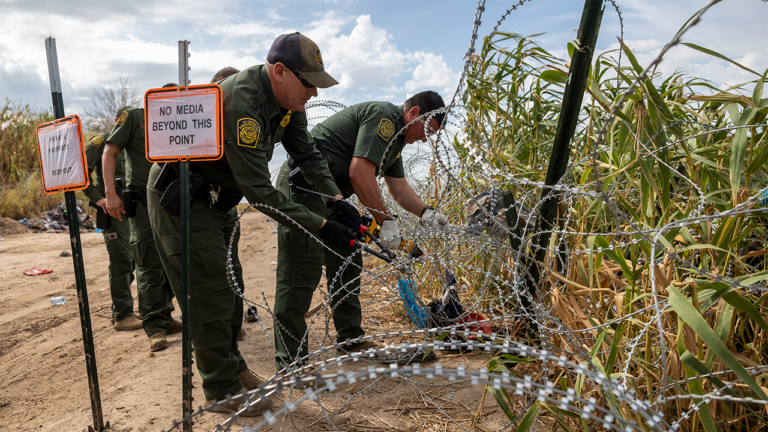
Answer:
(263, 105)
(362, 141)
(154, 290)
(116, 233)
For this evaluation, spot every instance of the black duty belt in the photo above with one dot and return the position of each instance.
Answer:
(216, 196)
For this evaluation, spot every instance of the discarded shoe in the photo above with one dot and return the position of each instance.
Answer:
(249, 379)
(173, 327)
(157, 342)
(256, 408)
(127, 324)
(251, 314)
(241, 334)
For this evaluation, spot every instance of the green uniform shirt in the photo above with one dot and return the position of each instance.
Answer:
(253, 124)
(93, 151)
(128, 135)
(364, 130)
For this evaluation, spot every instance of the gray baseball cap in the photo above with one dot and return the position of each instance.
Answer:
(299, 53)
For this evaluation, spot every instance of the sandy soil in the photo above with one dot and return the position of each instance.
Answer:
(43, 374)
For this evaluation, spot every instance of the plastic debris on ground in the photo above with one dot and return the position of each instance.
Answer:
(36, 271)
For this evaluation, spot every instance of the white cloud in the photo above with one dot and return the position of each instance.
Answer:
(432, 73)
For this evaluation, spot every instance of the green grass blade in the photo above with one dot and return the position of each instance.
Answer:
(684, 308)
(528, 418)
(718, 55)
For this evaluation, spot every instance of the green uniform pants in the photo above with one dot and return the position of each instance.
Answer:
(300, 260)
(120, 267)
(155, 294)
(216, 312)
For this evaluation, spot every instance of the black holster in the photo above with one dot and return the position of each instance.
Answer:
(132, 199)
(102, 218)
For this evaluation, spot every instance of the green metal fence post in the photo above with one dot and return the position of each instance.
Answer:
(77, 253)
(573, 96)
(186, 288)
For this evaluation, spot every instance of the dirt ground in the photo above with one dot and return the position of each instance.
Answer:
(43, 374)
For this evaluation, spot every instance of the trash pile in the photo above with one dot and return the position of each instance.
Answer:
(56, 220)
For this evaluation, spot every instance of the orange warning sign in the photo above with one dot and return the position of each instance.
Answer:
(183, 124)
(61, 151)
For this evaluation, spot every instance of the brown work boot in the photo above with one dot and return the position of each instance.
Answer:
(130, 323)
(173, 327)
(249, 379)
(135, 314)
(241, 334)
(364, 347)
(256, 408)
(157, 342)
(251, 315)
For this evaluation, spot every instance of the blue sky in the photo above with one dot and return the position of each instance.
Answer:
(378, 50)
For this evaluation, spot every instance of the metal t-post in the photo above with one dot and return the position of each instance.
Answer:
(77, 253)
(186, 288)
(561, 151)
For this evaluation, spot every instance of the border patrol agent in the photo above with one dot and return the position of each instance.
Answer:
(263, 105)
(117, 235)
(155, 294)
(357, 140)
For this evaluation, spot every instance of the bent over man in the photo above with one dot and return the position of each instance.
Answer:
(359, 140)
(117, 235)
(263, 105)
(155, 294)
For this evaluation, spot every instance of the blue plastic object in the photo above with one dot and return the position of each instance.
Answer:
(764, 198)
(408, 295)
(98, 230)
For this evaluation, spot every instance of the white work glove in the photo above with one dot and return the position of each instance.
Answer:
(389, 234)
(431, 218)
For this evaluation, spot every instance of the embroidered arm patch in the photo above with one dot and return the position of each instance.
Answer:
(122, 118)
(96, 142)
(386, 129)
(248, 131)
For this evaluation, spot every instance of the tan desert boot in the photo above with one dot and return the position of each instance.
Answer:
(173, 327)
(130, 323)
(135, 314)
(241, 334)
(157, 342)
(256, 408)
(249, 379)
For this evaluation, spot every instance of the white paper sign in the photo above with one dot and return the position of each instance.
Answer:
(183, 124)
(60, 148)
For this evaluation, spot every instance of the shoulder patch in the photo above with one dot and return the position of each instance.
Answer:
(248, 131)
(386, 128)
(287, 119)
(122, 118)
(97, 141)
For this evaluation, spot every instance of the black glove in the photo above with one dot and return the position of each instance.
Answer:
(346, 213)
(335, 234)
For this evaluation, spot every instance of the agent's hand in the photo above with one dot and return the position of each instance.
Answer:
(335, 234)
(390, 234)
(114, 206)
(431, 218)
(346, 213)
(103, 204)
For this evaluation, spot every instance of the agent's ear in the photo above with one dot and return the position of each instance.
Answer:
(278, 72)
(413, 113)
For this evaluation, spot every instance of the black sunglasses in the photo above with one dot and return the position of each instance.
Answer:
(304, 81)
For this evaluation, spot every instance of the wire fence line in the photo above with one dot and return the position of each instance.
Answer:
(573, 343)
